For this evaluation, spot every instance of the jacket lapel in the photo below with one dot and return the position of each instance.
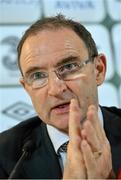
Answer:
(44, 163)
(112, 126)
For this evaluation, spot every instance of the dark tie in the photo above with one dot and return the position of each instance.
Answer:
(63, 148)
(62, 154)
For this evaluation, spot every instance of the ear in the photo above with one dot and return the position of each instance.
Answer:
(100, 65)
(25, 86)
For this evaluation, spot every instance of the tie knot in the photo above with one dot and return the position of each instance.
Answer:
(63, 147)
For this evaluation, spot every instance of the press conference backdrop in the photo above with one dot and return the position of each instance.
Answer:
(101, 17)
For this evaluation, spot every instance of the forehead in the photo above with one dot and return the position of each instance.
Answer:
(51, 46)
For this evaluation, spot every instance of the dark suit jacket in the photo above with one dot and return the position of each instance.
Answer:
(43, 162)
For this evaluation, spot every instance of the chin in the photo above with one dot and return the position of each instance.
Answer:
(61, 124)
(63, 129)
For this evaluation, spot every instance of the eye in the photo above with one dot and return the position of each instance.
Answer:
(37, 76)
(69, 67)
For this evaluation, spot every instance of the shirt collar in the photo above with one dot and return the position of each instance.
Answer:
(58, 138)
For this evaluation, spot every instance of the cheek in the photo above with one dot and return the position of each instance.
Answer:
(85, 89)
(81, 85)
(39, 103)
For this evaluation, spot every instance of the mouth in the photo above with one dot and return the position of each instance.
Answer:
(61, 109)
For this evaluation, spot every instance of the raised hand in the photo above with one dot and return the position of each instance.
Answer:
(88, 155)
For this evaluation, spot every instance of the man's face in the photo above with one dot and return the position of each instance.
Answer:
(44, 51)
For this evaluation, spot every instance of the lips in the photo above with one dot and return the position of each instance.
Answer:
(61, 108)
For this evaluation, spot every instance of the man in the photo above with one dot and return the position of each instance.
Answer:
(61, 70)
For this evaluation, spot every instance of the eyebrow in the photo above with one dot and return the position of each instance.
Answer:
(67, 60)
(60, 63)
(31, 69)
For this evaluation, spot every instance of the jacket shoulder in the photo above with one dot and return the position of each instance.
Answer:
(12, 142)
(114, 110)
(112, 121)
(18, 133)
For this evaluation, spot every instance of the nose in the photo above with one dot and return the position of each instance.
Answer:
(56, 86)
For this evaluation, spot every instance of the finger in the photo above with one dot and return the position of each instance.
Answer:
(92, 116)
(74, 167)
(74, 133)
(74, 122)
(89, 160)
(88, 132)
(92, 162)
